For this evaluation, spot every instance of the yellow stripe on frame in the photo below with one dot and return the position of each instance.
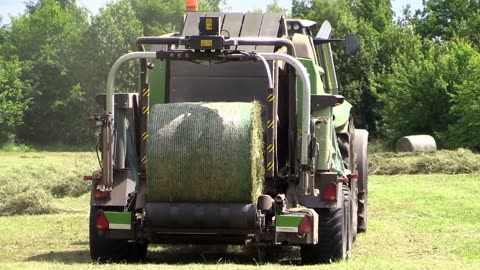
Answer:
(271, 97)
(146, 92)
(270, 124)
(270, 148)
(270, 166)
(144, 136)
(144, 159)
(146, 110)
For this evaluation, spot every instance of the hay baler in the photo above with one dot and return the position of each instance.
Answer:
(237, 136)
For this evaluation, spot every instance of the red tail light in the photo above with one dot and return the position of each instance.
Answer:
(330, 193)
(101, 194)
(306, 225)
(102, 221)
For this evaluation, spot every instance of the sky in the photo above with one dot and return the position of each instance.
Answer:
(13, 7)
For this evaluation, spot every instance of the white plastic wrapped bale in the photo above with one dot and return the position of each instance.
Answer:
(205, 152)
(416, 143)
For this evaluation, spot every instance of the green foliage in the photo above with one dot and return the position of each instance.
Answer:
(446, 19)
(158, 17)
(14, 98)
(274, 7)
(464, 129)
(210, 5)
(47, 41)
(112, 33)
(434, 93)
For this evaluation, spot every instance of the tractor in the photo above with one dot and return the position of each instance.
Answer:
(237, 135)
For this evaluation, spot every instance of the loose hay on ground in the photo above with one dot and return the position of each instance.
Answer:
(205, 152)
(444, 161)
(30, 202)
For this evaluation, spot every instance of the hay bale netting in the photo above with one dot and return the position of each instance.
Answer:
(416, 143)
(205, 152)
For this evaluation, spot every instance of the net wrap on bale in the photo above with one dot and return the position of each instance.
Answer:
(205, 152)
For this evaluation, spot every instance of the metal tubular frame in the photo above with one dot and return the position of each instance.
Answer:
(301, 71)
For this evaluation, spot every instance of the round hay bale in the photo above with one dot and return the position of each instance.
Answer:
(205, 152)
(416, 143)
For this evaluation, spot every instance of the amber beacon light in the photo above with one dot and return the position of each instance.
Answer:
(192, 5)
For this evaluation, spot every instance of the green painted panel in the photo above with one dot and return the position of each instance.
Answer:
(324, 138)
(315, 83)
(342, 115)
(118, 217)
(289, 221)
(157, 79)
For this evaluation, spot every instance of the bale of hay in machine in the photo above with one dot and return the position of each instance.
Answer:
(205, 152)
(416, 143)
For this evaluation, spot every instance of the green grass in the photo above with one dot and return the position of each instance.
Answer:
(415, 222)
(46, 175)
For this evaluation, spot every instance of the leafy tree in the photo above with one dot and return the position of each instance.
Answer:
(445, 19)
(47, 41)
(159, 16)
(464, 125)
(14, 98)
(274, 7)
(112, 33)
(211, 5)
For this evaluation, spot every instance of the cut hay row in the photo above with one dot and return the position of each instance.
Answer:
(445, 162)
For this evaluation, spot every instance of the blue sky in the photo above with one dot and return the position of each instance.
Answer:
(14, 7)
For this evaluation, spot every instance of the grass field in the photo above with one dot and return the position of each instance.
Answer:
(415, 222)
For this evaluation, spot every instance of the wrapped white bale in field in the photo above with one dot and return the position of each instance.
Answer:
(205, 152)
(416, 143)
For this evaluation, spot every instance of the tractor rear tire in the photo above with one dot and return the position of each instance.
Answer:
(106, 250)
(334, 231)
(361, 153)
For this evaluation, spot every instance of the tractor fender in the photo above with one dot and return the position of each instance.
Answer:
(342, 115)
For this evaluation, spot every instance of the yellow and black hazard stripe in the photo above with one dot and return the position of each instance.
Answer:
(146, 92)
(270, 166)
(270, 154)
(146, 110)
(144, 136)
(144, 160)
(270, 148)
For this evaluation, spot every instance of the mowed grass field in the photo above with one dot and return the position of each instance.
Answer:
(415, 222)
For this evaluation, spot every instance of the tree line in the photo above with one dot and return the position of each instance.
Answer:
(417, 71)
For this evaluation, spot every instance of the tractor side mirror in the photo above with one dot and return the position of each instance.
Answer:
(352, 45)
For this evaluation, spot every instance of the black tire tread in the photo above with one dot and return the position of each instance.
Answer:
(331, 238)
(361, 138)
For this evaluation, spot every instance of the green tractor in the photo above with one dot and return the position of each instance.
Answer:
(237, 136)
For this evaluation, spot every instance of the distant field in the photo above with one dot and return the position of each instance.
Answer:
(415, 222)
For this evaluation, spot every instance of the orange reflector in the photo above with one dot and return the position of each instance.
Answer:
(101, 194)
(102, 221)
(330, 193)
(306, 225)
(87, 178)
(97, 175)
(191, 5)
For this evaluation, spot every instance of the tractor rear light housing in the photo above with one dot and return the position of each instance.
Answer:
(101, 221)
(330, 193)
(101, 194)
(306, 226)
